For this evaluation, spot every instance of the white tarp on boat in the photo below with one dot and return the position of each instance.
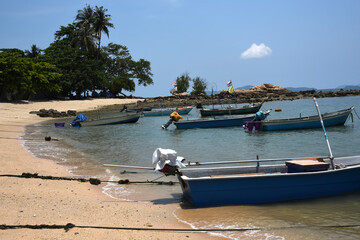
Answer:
(162, 157)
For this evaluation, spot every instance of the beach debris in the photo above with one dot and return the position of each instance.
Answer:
(94, 181)
(48, 138)
(126, 181)
(59, 124)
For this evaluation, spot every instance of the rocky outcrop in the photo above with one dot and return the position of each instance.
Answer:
(54, 113)
(264, 92)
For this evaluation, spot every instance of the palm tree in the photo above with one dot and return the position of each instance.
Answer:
(86, 36)
(85, 16)
(67, 32)
(101, 23)
(34, 52)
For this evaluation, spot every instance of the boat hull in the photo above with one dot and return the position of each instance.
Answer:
(304, 123)
(253, 189)
(213, 122)
(122, 119)
(154, 113)
(230, 111)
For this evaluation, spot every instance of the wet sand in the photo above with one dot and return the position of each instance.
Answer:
(55, 202)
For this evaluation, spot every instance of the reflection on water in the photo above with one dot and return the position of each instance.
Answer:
(85, 150)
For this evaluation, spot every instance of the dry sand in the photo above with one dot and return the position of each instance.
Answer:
(53, 202)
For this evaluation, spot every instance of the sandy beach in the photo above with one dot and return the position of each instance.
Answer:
(55, 202)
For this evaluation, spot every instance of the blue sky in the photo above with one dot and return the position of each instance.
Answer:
(285, 42)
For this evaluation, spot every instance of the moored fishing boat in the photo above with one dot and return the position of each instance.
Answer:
(293, 179)
(330, 119)
(221, 121)
(230, 110)
(119, 118)
(166, 112)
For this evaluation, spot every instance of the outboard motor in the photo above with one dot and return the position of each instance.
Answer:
(167, 161)
(174, 117)
(260, 115)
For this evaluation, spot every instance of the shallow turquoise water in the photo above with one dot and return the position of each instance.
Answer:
(86, 149)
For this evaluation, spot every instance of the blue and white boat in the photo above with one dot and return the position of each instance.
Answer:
(266, 182)
(219, 121)
(329, 119)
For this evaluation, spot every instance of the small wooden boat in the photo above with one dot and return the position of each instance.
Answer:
(166, 112)
(119, 118)
(330, 119)
(231, 111)
(292, 179)
(217, 121)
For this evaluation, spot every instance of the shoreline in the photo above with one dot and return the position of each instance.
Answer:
(36, 201)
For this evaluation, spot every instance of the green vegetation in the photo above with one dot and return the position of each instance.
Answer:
(21, 77)
(199, 86)
(74, 63)
(183, 84)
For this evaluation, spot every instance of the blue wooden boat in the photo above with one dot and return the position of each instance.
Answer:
(217, 121)
(329, 119)
(267, 182)
(166, 112)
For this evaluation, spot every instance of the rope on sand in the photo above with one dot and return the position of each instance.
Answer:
(69, 226)
(93, 181)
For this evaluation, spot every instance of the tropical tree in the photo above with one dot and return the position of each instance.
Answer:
(85, 16)
(122, 70)
(199, 86)
(85, 34)
(34, 52)
(21, 76)
(101, 23)
(183, 82)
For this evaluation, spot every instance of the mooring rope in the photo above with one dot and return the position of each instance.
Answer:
(356, 114)
(93, 181)
(69, 226)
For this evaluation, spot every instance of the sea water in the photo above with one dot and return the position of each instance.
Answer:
(85, 150)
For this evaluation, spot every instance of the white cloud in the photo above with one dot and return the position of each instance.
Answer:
(256, 51)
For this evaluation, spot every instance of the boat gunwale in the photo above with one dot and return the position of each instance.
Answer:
(338, 160)
(262, 175)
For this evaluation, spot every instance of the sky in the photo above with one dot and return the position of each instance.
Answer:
(304, 43)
